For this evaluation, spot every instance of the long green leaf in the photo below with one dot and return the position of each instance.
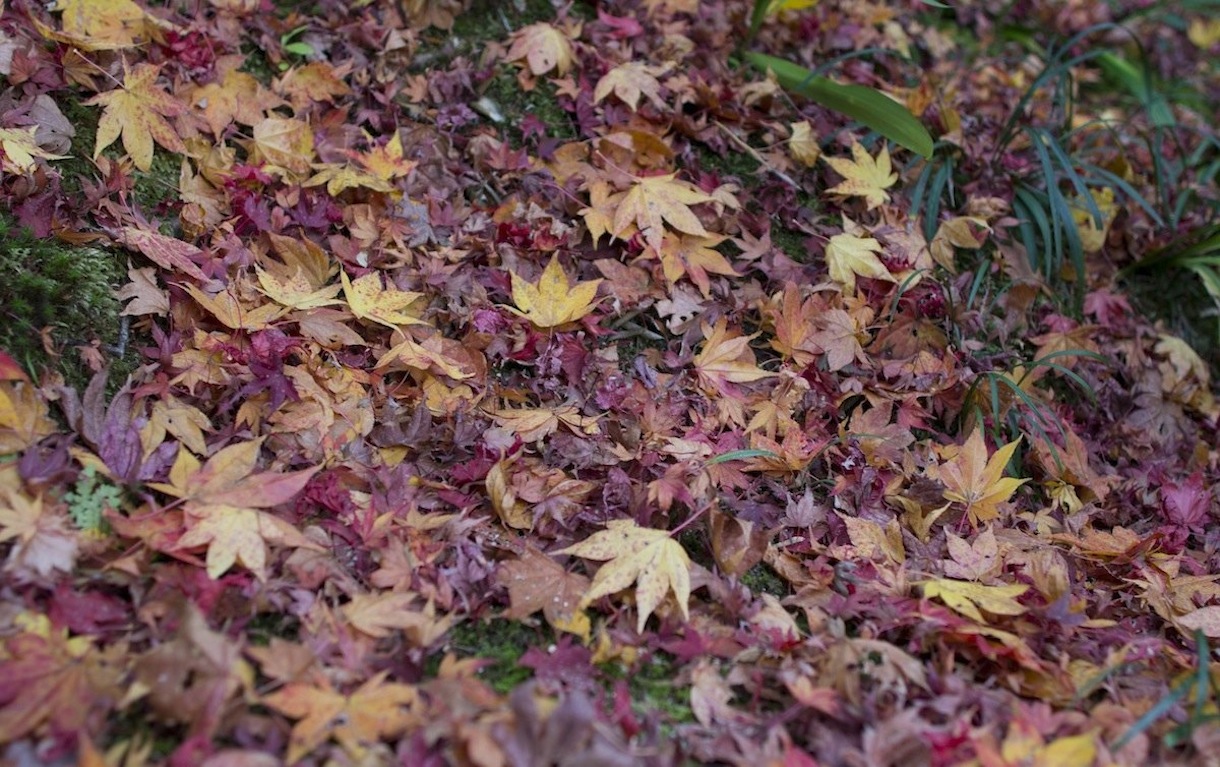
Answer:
(866, 105)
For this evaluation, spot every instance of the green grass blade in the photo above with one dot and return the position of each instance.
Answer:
(868, 106)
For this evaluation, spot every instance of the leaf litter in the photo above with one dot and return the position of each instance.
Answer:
(859, 482)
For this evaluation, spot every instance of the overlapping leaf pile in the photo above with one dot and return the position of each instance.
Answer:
(875, 497)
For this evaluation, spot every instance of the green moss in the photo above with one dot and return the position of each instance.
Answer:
(761, 579)
(502, 643)
(50, 284)
(514, 104)
(653, 685)
(79, 164)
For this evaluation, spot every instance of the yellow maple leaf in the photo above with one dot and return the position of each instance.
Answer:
(283, 143)
(864, 176)
(368, 300)
(802, 145)
(654, 201)
(296, 292)
(137, 112)
(552, 302)
(227, 308)
(341, 177)
(976, 481)
(543, 47)
(631, 80)
(969, 598)
(848, 256)
(1092, 236)
(101, 24)
(599, 216)
(19, 149)
(651, 559)
(223, 501)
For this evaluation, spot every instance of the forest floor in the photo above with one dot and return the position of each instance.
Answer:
(523, 385)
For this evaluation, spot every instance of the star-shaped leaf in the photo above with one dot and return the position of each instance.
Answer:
(543, 47)
(864, 176)
(19, 149)
(651, 559)
(378, 709)
(368, 300)
(656, 200)
(137, 111)
(976, 481)
(848, 256)
(629, 81)
(969, 598)
(553, 301)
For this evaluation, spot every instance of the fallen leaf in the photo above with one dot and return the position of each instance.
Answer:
(969, 598)
(976, 481)
(654, 201)
(848, 256)
(553, 301)
(631, 80)
(137, 111)
(651, 559)
(543, 47)
(864, 176)
(384, 305)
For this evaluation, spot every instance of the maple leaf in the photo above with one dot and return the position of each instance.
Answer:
(654, 201)
(297, 292)
(223, 501)
(24, 418)
(969, 598)
(848, 256)
(726, 359)
(386, 161)
(377, 615)
(631, 80)
(543, 47)
(375, 710)
(537, 582)
(802, 145)
(370, 301)
(18, 148)
(234, 97)
(48, 678)
(169, 253)
(864, 176)
(839, 338)
(43, 541)
(137, 111)
(976, 481)
(284, 144)
(232, 313)
(693, 256)
(101, 24)
(651, 559)
(553, 301)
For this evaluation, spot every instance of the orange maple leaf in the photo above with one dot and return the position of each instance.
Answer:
(976, 481)
(137, 111)
(656, 200)
(693, 256)
(374, 711)
(726, 359)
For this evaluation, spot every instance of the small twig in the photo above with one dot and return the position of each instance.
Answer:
(757, 157)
